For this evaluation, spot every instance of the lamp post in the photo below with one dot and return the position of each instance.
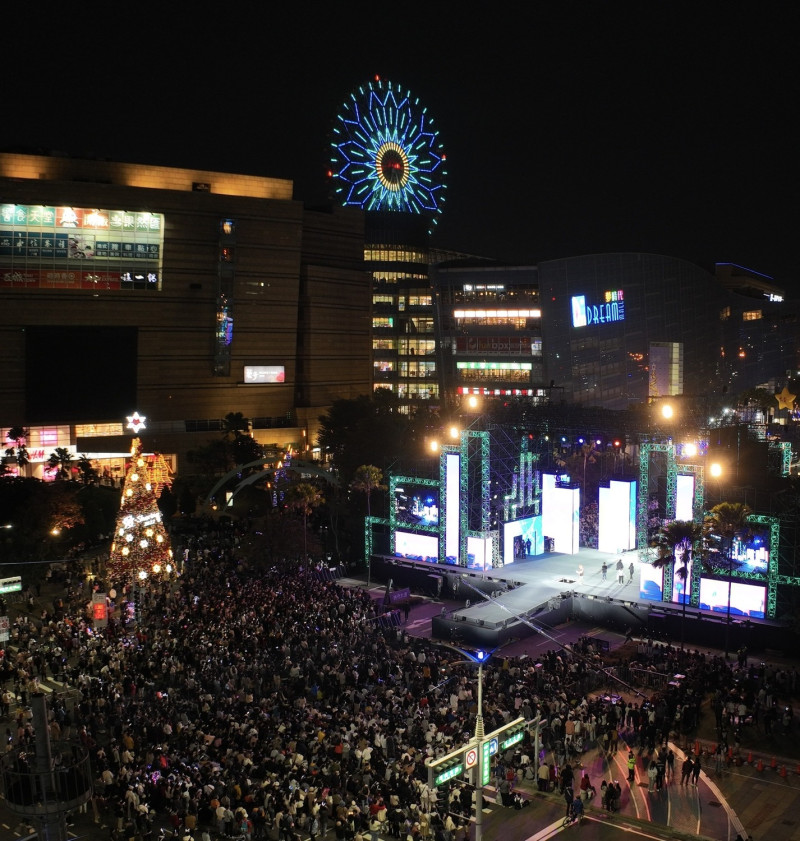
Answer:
(479, 658)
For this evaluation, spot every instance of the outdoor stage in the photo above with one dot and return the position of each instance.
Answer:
(540, 592)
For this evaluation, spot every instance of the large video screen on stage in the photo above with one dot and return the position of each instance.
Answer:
(522, 538)
(751, 556)
(416, 547)
(416, 504)
(479, 553)
(651, 582)
(681, 587)
(746, 599)
(684, 496)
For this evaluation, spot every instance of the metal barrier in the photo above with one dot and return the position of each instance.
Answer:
(391, 619)
(647, 678)
(329, 573)
(34, 786)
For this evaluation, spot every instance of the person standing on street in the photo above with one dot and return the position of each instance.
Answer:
(604, 570)
(695, 770)
(631, 570)
(620, 571)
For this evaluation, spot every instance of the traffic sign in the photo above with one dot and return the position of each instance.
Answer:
(471, 758)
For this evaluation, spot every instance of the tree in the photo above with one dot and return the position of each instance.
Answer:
(367, 479)
(86, 470)
(141, 548)
(364, 430)
(18, 436)
(61, 461)
(304, 497)
(721, 527)
(675, 544)
(234, 424)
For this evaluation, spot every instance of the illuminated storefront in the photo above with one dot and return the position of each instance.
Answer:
(79, 248)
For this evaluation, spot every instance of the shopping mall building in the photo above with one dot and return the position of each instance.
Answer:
(182, 295)
(186, 295)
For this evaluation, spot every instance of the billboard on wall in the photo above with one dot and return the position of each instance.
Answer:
(63, 247)
(264, 373)
(491, 345)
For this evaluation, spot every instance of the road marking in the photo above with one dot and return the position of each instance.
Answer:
(548, 831)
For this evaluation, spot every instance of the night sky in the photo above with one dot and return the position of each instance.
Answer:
(570, 128)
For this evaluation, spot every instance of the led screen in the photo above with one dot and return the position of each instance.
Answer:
(751, 556)
(522, 538)
(416, 505)
(416, 547)
(617, 511)
(453, 498)
(560, 514)
(746, 599)
(479, 553)
(264, 373)
(651, 583)
(684, 496)
(681, 588)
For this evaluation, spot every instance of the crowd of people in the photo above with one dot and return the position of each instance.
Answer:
(272, 703)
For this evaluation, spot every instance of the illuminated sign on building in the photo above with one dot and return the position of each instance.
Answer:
(79, 248)
(611, 309)
(497, 345)
(264, 374)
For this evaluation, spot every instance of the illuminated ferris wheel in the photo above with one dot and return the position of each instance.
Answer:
(386, 155)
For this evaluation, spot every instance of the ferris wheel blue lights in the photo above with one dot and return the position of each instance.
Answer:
(386, 153)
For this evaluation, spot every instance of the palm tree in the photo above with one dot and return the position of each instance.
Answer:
(234, 424)
(61, 459)
(87, 471)
(367, 479)
(18, 436)
(724, 524)
(304, 498)
(674, 544)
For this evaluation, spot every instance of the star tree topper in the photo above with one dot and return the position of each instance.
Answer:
(136, 422)
(785, 399)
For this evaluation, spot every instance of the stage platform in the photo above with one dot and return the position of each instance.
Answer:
(539, 592)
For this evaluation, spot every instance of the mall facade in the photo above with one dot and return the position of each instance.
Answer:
(611, 330)
(182, 295)
(186, 295)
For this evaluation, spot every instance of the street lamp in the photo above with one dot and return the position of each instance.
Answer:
(479, 658)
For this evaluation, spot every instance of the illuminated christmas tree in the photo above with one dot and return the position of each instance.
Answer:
(141, 548)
